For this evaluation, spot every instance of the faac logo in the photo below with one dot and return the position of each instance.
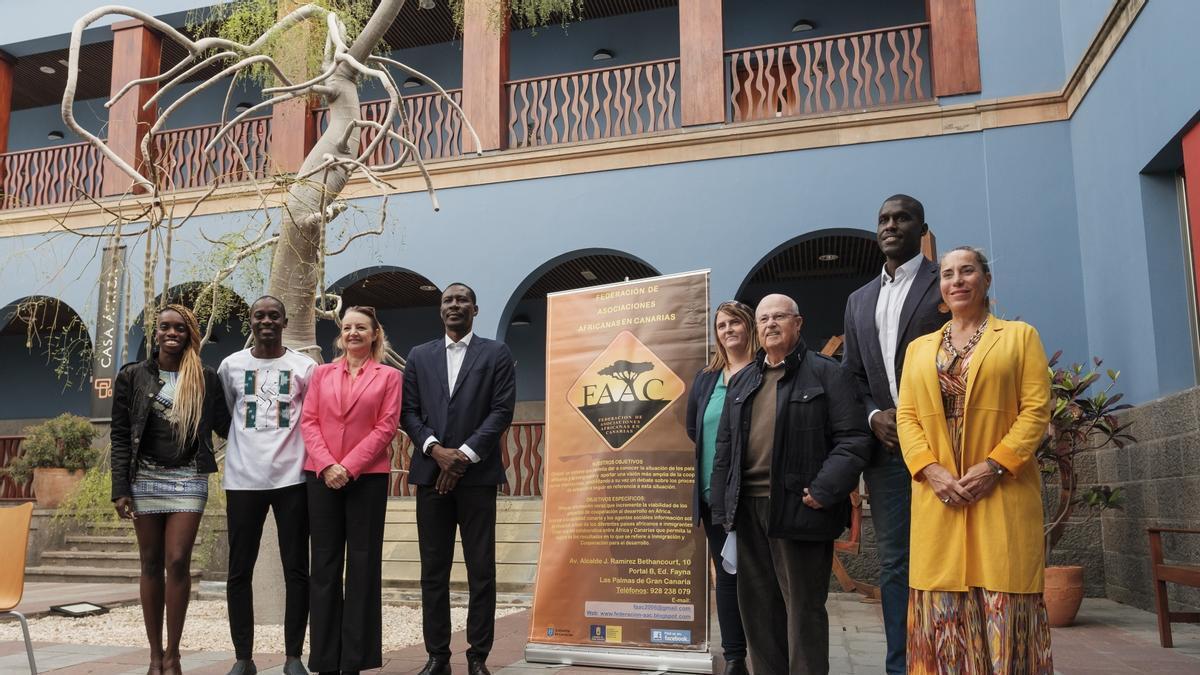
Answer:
(624, 390)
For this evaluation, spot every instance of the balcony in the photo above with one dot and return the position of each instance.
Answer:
(653, 87)
(838, 73)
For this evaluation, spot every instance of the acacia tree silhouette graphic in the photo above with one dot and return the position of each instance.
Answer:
(627, 372)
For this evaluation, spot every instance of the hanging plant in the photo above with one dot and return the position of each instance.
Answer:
(523, 14)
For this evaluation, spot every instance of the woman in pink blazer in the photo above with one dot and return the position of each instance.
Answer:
(351, 413)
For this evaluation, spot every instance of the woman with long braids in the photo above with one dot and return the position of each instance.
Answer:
(165, 410)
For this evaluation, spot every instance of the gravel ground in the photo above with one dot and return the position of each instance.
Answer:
(207, 628)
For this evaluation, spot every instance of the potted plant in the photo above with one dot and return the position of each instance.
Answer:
(1080, 422)
(55, 453)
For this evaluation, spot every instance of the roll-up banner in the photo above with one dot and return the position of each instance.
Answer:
(622, 572)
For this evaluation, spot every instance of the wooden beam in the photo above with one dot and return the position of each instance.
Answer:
(7, 64)
(293, 128)
(485, 72)
(701, 62)
(929, 245)
(1191, 181)
(137, 52)
(954, 47)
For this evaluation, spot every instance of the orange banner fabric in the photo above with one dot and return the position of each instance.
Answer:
(621, 563)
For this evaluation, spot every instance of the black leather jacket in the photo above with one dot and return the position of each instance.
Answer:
(136, 385)
(821, 443)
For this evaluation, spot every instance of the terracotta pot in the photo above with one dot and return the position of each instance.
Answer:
(1063, 594)
(51, 486)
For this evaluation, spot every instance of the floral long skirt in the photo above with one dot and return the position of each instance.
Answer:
(978, 632)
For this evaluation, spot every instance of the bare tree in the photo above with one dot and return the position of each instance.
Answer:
(312, 198)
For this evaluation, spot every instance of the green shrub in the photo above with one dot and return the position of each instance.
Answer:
(64, 442)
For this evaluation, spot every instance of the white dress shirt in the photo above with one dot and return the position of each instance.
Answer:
(892, 293)
(455, 353)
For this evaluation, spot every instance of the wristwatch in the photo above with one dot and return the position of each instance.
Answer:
(997, 468)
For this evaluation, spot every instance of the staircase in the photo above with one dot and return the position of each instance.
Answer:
(518, 538)
(105, 553)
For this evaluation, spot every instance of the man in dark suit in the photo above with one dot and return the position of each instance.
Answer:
(882, 317)
(459, 394)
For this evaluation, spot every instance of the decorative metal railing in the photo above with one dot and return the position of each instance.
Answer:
(432, 125)
(837, 73)
(49, 176)
(10, 449)
(594, 104)
(243, 154)
(521, 452)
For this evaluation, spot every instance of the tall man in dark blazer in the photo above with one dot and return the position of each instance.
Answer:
(459, 394)
(882, 317)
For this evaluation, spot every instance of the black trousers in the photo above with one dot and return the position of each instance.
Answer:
(472, 509)
(782, 586)
(346, 627)
(733, 637)
(246, 511)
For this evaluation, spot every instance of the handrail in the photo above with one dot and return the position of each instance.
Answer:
(375, 101)
(62, 146)
(823, 38)
(163, 132)
(593, 70)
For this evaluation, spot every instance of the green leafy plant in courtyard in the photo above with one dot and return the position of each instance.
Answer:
(64, 442)
(1084, 419)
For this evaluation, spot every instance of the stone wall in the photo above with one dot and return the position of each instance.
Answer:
(1160, 476)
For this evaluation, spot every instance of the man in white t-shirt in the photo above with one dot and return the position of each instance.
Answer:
(264, 468)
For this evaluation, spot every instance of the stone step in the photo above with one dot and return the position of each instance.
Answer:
(92, 559)
(509, 576)
(506, 552)
(503, 504)
(459, 597)
(396, 516)
(95, 542)
(71, 574)
(512, 532)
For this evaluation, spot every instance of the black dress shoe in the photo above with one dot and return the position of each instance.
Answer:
(736, 667)
(243, 667)
(436, 666)
(476, 666)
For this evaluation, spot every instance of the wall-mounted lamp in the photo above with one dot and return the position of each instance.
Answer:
(49, 70)
(413, 83)
(427, 4)
(828, 257)
(55, 135)
(588, 275)
(602, 55)
(428, 288)
(241, 107)
(520, 320)
(803, 26)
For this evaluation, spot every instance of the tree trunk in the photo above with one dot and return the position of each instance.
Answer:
(296, 266)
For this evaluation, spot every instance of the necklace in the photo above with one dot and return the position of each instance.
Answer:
(955, 354)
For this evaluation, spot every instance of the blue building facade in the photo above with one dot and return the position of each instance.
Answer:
(1066, 165)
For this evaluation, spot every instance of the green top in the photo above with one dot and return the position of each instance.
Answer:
(712, 419)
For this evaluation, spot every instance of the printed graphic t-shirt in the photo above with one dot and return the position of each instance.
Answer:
(266, 449)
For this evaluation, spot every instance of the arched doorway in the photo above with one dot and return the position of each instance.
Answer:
(405, 301)
(47, 355)
(523, 322)
(819, 270)
(230, 329)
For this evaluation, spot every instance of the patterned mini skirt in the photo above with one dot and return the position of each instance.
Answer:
(168, 489)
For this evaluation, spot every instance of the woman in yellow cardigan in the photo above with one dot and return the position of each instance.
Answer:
(974, 405)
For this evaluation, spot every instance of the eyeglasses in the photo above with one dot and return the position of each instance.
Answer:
(777, 317)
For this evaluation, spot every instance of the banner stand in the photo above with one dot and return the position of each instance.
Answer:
(659, 660)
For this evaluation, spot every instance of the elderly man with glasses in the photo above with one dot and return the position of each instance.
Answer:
(792, 442)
